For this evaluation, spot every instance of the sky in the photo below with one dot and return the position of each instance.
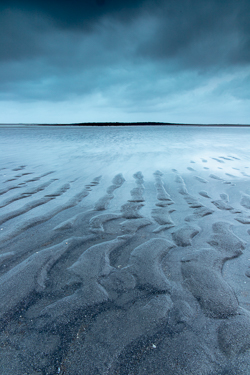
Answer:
(70, 61)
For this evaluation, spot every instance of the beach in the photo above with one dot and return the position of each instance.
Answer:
(124, 250)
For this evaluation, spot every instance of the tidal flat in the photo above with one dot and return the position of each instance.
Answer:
(124, 250)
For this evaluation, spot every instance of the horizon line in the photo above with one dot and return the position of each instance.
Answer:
(118, 123)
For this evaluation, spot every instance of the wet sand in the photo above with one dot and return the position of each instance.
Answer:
(133, 259)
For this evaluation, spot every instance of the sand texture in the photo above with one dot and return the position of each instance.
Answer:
(131, 259)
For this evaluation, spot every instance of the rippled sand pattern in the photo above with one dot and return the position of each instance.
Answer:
(125, 262)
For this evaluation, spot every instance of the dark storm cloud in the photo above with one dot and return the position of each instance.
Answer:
(75, 13)
(140, 49)
(200, 32)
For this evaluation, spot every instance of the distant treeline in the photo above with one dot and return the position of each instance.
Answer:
(115, 123)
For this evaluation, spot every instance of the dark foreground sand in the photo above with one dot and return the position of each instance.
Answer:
(136, 276)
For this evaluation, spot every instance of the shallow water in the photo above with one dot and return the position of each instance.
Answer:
(124, 250)
(60, 146)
